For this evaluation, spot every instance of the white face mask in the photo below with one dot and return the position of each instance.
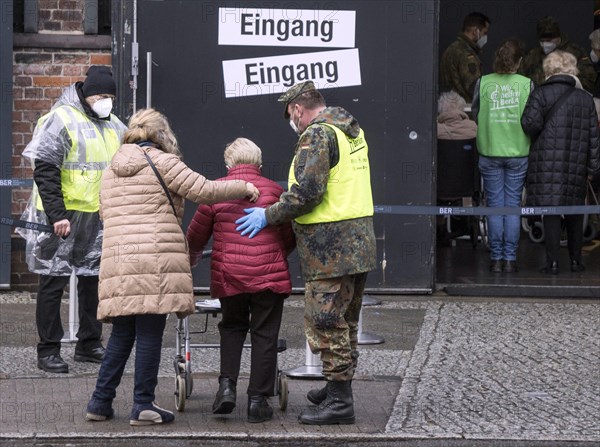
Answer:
(102, 107)
(548, 47)
(294, 127)
(594, 57)
(482, 40)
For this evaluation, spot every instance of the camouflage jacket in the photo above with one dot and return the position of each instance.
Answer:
(460, 67)
(331, 249)
(533, 69)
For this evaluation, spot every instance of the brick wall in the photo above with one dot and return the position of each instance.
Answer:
(39, 76)
(60, 15)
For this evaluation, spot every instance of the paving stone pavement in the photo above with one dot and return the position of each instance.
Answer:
(451, 370)
(503, 371)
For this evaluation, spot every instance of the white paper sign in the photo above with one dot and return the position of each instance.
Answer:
(276, 74)
(286, 27)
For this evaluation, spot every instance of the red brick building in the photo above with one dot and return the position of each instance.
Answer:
(54, 44)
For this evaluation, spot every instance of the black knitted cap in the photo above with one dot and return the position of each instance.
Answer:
(99, 81)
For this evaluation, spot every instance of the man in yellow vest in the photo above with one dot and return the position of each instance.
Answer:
(330, 205)
(71, 146)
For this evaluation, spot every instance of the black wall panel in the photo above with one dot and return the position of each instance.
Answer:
(394, 101)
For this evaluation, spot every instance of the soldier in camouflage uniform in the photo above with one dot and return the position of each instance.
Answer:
(460, 66)
(330, 204)
(551, 39)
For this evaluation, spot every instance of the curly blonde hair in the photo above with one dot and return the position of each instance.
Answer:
(151, 125)
(560, 62)
(242, 151)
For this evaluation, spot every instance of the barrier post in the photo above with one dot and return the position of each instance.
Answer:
(366, 338)
(73, 311)
(312, 369)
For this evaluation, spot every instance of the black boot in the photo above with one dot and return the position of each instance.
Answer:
(226, 396)
(317, 396)
(259, 409)
(337, 408)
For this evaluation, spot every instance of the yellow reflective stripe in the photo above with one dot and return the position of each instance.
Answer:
(91, 150)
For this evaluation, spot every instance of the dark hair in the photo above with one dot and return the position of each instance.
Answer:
(476, 19)
(310, 99)
(508, 55)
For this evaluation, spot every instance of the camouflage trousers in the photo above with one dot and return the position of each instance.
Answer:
(331, 311)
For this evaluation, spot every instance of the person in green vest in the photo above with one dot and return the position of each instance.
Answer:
(498, 103)
(71, 146)
(330, 205)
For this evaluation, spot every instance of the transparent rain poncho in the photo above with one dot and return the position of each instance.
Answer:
(80, 251)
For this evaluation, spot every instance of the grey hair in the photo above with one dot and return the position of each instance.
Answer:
(560, 62)
(242, 151)
(451, 101)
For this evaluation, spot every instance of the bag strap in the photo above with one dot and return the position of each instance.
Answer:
(558, 103)
(162, 182)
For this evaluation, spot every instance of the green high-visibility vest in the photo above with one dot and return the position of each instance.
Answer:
(348, 194)
(90, 153)
(502, 99)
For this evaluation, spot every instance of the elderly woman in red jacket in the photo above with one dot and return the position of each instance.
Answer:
(250, 277)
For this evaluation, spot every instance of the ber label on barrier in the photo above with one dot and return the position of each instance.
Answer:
(430, 210)
(10, 182)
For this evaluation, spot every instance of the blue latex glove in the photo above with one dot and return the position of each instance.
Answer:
(253, 222)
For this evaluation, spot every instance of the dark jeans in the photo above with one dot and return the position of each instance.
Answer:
(47, 314)
(261, 314)
(552, 231)
(147, 332)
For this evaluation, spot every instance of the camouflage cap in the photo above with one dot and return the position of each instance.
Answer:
(547, 27)
(293, 93)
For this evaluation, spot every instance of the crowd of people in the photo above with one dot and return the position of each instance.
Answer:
(535, 123)
(115, 196)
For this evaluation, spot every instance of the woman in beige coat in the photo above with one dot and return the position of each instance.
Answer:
(145, 270)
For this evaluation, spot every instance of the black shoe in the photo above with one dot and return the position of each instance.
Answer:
(550, 268)
(577, 266)
(226, 396)
(259, 409)
(95, 355)
(317, 396)
(53, 364)
(337, 408)
(510, 267)
(496, 266)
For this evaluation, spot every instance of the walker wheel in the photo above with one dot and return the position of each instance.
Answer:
(283, 391)
(536, 233)
(180, 388)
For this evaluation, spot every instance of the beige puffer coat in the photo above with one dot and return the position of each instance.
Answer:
(145, 265)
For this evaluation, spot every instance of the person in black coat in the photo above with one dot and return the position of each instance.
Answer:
(564, 153)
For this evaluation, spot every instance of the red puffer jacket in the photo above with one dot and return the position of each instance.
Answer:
(239, 264)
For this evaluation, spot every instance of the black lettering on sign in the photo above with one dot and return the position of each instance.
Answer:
(254, 25)
(288, 75)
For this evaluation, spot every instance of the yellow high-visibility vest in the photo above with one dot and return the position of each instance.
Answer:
(90, 153)
(348, 194)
